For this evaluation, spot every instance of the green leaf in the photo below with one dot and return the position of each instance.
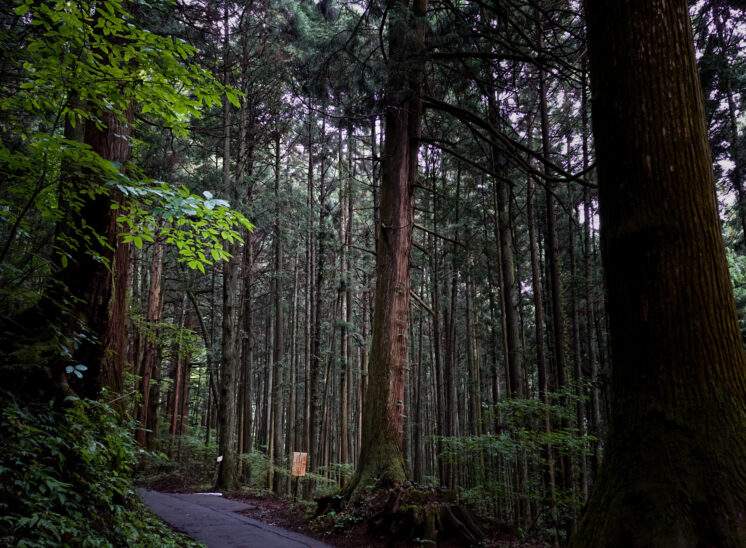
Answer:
(22, 9)
(232, 98)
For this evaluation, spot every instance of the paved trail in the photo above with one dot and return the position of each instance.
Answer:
(213, 521)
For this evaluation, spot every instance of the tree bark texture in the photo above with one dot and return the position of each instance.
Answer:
(673, 473)
(151, 353)
(278, 347)
(85, 284)
(228, 468)
(381, 452)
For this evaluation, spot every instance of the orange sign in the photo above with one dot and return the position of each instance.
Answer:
(299, 464)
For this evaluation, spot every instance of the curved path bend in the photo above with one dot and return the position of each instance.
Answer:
(214, 521)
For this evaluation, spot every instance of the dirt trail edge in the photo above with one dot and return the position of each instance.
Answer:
(213, 521)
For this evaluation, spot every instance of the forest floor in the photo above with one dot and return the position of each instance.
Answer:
(299, 517)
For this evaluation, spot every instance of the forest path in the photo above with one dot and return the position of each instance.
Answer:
(214, 521)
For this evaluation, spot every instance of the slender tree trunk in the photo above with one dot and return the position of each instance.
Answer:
(184, 399)
(577, 365)
(151, 354)
(541, 357)
(292, 438)
(734, 145)
(320, 256)
(450, 363)
(227, 471)
(269, 398)
(589, 296)
(351, 173)
(510, 291)
(417, 438)
(437, 338)
(178, 381)
(345, 304)
(247, 353)
(227, 479)
(309, 295)
(552, 258)
(279, 327)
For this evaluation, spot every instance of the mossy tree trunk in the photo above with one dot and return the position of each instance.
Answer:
(381, 457)
(673, 474)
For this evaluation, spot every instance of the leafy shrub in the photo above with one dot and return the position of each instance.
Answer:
(65, 479)
(192, 466)
(522, 435)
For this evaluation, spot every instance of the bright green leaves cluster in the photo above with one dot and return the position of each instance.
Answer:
(66, 63)
(169, 335)
(94, 54)
(198, 226)
(36, 197)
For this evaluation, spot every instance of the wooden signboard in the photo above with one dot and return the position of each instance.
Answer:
(299, 464)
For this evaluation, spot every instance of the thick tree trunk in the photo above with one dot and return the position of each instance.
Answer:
(115, 337)
(673, 473)
(381, 455)
(84, 286)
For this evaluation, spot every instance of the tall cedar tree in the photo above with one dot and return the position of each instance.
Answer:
(227, 479)
(381, 453)
(673, 474)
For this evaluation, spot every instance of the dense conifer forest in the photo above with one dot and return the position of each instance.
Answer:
(483, 261)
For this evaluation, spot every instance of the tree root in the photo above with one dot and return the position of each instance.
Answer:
(409, 513)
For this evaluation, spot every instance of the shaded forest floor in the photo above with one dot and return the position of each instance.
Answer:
(337, 530)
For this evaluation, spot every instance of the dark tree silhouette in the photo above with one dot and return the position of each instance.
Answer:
(673, 473)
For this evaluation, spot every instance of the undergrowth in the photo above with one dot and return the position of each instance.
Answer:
(66, 479)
